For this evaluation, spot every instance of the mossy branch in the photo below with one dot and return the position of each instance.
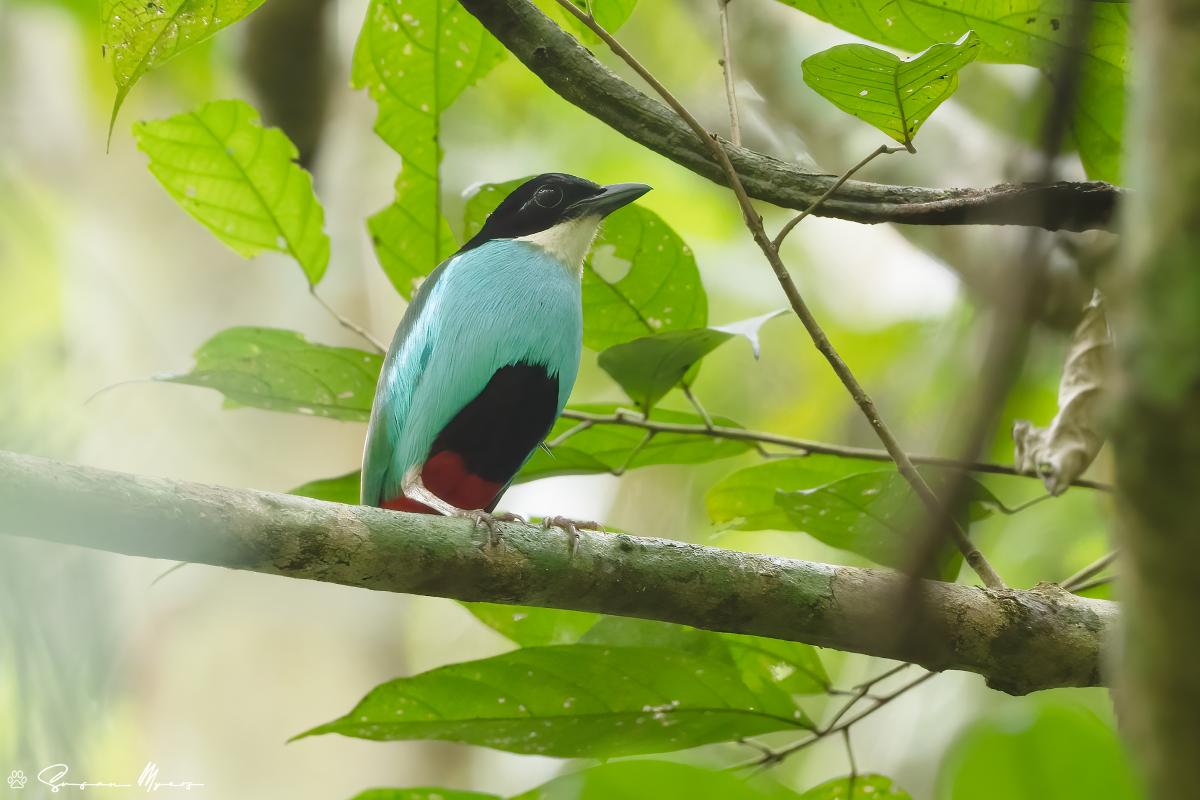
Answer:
(1020, 641)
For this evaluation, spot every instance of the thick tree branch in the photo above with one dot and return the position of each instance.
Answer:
(1021, 641)
(573, 73)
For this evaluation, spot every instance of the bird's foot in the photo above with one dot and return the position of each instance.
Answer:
(482, 519)
(571, 527)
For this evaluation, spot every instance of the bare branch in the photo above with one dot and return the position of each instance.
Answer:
(1021, 641)
(735, 127)
(574, 74)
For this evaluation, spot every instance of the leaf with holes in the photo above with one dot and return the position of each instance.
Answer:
(280, 371)
(139, 35)
(649, 367)
(893, 94)
(640, 278)
(240, 181)
(415, 58)
(1037, 33)
(613, 447)
(870, 786)
(874, 514)
(764, 664)
(573, 701)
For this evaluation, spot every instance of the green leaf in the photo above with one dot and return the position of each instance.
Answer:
(656, 780)
(622, 780)
(428, 793)
(280, 371)
(861, 787)
(745, 500)
(1058, 751)
(611, 447)
(139, 35)
(587, 701)
(649, 367)
(764, 664)
(893, 94)
(530, 626)
(342, 489)
(415, 57)
(874, 515)
(639, 279)
(1032, 32)
(239, 180)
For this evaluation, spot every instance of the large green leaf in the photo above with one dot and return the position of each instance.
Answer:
(874, 515)
(1032, 32)
(870, 786)
(621, 780)
(762, 663)
(240, 180)
(530, 626)
(415, 57)
(610, 447)
(639, 279)
(280, 371)
(649, 367)
(573, 701)
(745, 500)
(1058, 751)
(893, 94)
(139, 35)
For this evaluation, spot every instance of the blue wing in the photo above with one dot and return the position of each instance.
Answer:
(500, 304)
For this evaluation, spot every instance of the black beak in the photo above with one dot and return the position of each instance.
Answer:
(609, 200)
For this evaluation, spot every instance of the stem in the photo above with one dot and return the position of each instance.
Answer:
(972, 555)
(882, 150)
(347, 324)
(735, 127)
(805, 446)
(1073, 583)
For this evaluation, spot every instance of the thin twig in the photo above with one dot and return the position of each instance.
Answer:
(971, 554)
(1093, 583)
(735, 127)
(1095, 568)
(853, 764)
(696, 404)
(804, 446)
(882, 150)
(347, 324)
(834, 726)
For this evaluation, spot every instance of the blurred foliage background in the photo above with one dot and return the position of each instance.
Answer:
(104, 282)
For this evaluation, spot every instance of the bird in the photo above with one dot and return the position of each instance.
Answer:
(486, 355)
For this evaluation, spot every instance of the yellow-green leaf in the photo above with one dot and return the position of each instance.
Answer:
(240, 180)
(139, 35)
(415, 57)
(893, 94)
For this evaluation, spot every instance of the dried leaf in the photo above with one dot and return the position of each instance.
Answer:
(1061, 452)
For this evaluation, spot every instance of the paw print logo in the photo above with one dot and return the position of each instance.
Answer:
(17, 779)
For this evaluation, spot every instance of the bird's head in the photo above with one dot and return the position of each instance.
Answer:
(557, 212)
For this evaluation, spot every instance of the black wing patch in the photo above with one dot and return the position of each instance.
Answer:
(497, 431)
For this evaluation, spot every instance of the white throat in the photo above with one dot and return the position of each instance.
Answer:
(567, 241)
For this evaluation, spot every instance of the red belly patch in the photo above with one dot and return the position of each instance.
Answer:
(445, 474)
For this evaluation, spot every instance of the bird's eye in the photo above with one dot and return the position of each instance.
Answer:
(548, 196)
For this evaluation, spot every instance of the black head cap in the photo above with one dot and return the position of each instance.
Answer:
(548, 199)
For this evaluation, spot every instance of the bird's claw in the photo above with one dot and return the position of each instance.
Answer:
(482, 519)
(571, 527)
